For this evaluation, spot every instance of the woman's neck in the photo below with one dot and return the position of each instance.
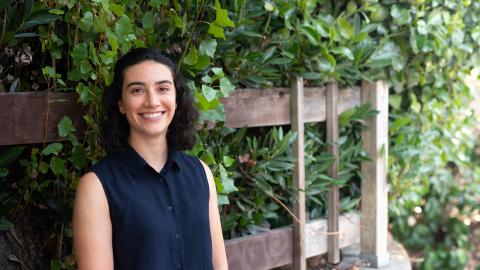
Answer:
(153, 151)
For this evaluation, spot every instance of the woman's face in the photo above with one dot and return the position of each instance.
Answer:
(148, 99)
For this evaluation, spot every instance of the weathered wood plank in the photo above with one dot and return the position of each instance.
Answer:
(333, 199)
(24, 116)
(274, 248)
(268, 107)
(374, 223)
(299, 259)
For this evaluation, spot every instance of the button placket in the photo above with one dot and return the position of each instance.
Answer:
(177, 244)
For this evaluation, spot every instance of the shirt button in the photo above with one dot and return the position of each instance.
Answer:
(170, 208)
(177, 236)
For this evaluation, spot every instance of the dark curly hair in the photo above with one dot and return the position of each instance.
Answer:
(114, 125)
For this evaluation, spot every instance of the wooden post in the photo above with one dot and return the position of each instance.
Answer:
(374, 220)
(333, 203)
(299, 259)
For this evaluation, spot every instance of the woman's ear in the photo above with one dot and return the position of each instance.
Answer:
(120, 107)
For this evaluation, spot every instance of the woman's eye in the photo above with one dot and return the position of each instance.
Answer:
(136, 90)
(163, 89)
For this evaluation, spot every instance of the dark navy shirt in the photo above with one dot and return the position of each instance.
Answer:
(159, 220)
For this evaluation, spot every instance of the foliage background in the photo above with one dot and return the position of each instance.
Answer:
(423, 48)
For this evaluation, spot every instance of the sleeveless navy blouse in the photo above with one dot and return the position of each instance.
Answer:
(159, 220)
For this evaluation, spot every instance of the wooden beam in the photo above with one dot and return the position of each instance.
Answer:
(24, 116)
(374, 222)
(274, 248)
(268, 107)
(333, 200)
(299, 259)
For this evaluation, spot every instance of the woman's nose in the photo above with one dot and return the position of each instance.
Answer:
(152, 99)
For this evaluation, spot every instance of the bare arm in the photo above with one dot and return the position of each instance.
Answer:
(218, 246)
(92, 228)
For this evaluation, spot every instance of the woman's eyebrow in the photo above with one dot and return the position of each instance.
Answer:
(143, 84)
(164, 81)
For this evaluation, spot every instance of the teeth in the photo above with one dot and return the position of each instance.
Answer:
(152, 115)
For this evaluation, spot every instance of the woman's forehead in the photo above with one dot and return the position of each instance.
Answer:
(148, 71)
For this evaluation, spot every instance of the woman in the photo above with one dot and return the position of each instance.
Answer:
(147, 205)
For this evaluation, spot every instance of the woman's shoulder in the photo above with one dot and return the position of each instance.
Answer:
(105, 168)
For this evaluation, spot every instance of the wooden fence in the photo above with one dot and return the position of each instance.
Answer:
(33, 118)
(299, 105)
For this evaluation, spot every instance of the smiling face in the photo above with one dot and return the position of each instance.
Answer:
(148, 99)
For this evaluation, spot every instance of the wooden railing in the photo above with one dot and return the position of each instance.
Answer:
(298, 105)
(32, 117)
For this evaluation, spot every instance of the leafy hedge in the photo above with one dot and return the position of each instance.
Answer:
(423, 48)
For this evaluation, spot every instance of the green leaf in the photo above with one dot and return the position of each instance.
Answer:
(331, 62)
(345, 116)
(65, 126)
(401, 16)
(117, 9)
(209, 93)
(79, 52)
(148, 20)
(346, 30)
(395, 101)
(435, 17)
(221, 17)
(85, 24)
(204, 104)
(112, 40)
(40, 20)
(343, 51)
(213, 115)
(208, 47)
(177, 21)
(43, 167)
(3, 172)
(208, 157)
(226, 87)
(311, 34)
(378, 13)
(53, 148)
(85, 67)
(79, 156)
(228, 161)
(280, 61)
(223, 200)
(10, 154)
(383, 55)
(123, 26)
(84, 93)
(5, 225)
(218, 71)
(476, 34)
(202, 62)
(157, 3)
(398, 62)
(56, 11)
(216, 31)
(100, 22)
(192, 57)
(57, 165)
(228, 185)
